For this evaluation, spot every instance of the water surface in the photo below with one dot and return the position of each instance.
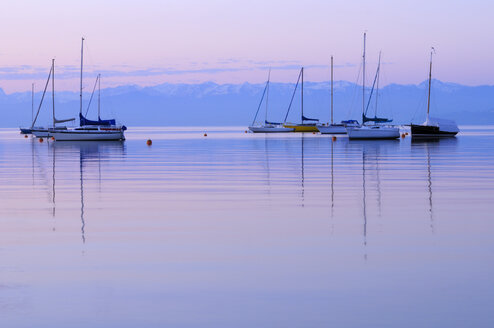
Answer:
(243, 230)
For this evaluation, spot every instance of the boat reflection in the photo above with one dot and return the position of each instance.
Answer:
(372, 153)
(88, 156)
(430, 148)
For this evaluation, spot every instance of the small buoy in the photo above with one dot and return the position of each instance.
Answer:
(313, 133)
(245, 131)
(205, 134)
(25, 136)
(333, 138)
(406, 133)
(40, 139)
(403, 135)
(52, 138)
(149, 142)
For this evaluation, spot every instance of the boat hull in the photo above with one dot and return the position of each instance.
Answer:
(373, 133)
(262, 129)
(302, 127)
(429, 131)
(81, 135)
(41, 133)
(332, 129)
(26, 130)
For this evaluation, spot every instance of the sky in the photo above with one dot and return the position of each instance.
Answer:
(149, 42)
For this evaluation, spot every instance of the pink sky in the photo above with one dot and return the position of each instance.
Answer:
(150, 42)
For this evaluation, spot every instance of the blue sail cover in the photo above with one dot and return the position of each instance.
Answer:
(309, 119)
(85, 121)
(272, 123)
(375, 119)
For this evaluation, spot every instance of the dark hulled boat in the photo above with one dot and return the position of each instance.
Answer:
(433, 127)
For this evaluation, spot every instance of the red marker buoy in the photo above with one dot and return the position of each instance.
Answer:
(402, 135)
(333, 138)
(149, 142)
(40, 139)
(25, 136)
(205, 134)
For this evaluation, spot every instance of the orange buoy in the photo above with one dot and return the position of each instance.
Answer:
(52, 138)
(245, 131)
(205, 134)
(406, 133)
(403, 135)
(25, 136)
(149, 142)
(40, 139)
(313, 133)
(333, 138)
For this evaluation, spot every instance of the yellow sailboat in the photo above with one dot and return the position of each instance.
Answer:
(307, 124)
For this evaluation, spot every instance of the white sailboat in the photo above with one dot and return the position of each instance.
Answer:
(433, 127)
(100, 130)
(45, 132)
(376, 130)
(331, 128)
(267, 127)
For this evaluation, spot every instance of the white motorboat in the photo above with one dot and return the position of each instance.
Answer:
(331, 128)
(95, 133)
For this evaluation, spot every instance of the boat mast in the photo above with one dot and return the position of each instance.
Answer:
(53, 88)
(99, 94)
(267, 98)
(80, 94)
(302, 94)
(363, 79)
(32, 102)
(430, 79)
(331, 90)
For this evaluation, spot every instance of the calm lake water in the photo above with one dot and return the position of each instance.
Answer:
(244, 230)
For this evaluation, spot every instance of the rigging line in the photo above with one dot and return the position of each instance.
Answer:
(377, 85)
(42, 97)
(267, 97)
(293, 95)
(92, 94)
(372, 90)
(355, 90)
(260, 103)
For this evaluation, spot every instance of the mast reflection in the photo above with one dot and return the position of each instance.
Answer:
(88, 153)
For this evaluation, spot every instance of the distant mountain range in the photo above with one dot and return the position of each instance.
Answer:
(211, 104)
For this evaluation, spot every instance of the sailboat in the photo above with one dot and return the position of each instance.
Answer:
(303, 126)
(91, 130)
(377, 130)
(331, 128)
(433, 127)
(267, 127)
(43, 132)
